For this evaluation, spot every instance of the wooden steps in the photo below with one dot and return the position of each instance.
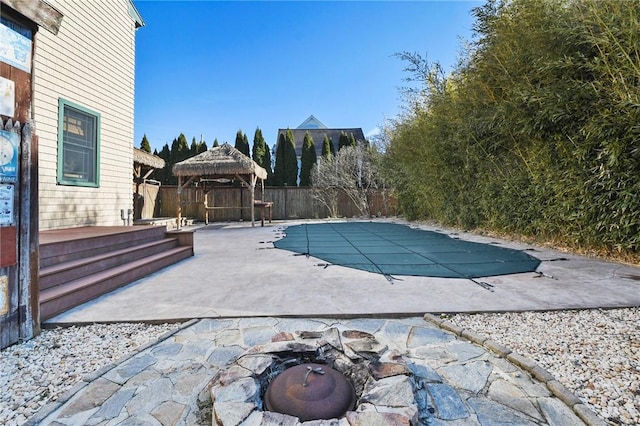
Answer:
(83, 263)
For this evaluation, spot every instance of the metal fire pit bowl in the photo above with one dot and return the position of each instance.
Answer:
(310, 392)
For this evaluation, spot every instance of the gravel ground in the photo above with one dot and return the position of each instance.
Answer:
(594, 353)
(36, 372)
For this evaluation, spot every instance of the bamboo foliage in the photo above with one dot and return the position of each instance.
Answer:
(536, 131)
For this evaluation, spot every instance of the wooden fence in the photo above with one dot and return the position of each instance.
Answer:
(145, 205)
(234, 203)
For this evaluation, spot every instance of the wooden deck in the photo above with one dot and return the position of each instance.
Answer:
(79, 233)
(79, 264)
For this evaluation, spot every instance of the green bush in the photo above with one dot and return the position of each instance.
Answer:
(536, 132)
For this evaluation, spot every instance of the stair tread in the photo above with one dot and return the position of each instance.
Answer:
(71, 264)
(95, 233)
(75, 243)
(77, 284)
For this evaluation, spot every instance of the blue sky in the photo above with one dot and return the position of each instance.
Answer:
(211, 68)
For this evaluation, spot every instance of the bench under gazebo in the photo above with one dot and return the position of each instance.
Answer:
(221, 165)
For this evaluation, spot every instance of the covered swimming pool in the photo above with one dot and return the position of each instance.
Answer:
(396, 249)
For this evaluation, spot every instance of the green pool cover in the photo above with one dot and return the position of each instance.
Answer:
(393, 249)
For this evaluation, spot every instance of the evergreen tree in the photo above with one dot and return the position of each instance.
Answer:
(246, 149)
(242, 143)
(180, 148)
(239, 142)
(291, 161)
(215, 143)
(260, 153)
(164, 153)
(179, 152)
(278, 169)
(343, 141)
(352, 140)
(193, 149)
(308, 159)
(286, 168)
(269, 163)
(197, 147)
(144, 145)
(163, 175)
(327, 147)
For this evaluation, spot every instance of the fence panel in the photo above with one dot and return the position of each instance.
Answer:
(294, 203)
(145, 201)
(234, 203)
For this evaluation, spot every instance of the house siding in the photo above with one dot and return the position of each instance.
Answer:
(90, 62)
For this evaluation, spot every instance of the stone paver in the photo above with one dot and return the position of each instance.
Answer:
(455, 381)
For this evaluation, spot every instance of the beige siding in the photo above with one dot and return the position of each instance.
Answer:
(91, 62)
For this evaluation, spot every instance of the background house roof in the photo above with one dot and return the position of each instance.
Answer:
(318, 137)
(312, 123)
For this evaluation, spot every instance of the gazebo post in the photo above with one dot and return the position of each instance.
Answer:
(137, 174)
(206, 208)
(179, 203)
(254, 178)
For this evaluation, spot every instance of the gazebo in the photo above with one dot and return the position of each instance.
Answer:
(220, 164)
(144, 164)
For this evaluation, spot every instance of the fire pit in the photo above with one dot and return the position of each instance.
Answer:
(319, 376)
(310, 392)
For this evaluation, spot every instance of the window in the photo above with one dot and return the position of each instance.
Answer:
(78, 145)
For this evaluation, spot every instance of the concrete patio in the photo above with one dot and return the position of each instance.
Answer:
(236, 272)
(238, 284)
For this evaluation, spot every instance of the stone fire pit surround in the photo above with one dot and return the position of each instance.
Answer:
(399, 373)
(381, 378)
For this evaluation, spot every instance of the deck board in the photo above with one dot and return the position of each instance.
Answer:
(70, 234)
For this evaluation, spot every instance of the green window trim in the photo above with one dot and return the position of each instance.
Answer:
(78, 145)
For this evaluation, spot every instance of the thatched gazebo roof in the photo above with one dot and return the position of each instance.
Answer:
(146, 159)
(223, 160)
